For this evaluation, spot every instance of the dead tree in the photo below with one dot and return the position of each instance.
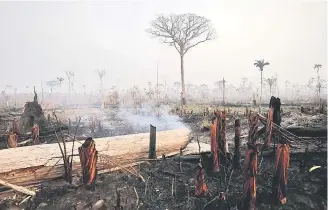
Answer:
(318, 86)
(70, 77)
(279, 184)
(271, 82)
(88, 158)
(35, 99)
(184, 32)
(66, 158)
(221, 133)
(101, 74)
(275, 104)
(214, 146)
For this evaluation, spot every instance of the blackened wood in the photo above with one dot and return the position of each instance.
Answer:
(237, 143)
(152, 143)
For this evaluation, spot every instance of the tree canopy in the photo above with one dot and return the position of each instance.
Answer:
(183, 31)
(260, 64)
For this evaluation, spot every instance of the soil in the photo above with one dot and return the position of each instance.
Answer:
(166, 187)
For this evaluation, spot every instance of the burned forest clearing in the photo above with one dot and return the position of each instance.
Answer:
(126, 173)
(163, 105)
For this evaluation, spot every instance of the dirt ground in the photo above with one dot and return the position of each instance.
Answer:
(166, 187)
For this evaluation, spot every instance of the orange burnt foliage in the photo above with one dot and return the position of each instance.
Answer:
(88, 158)
(200, 185)
(280, 176)
(250, 171)
(12, 140)
(214, 146)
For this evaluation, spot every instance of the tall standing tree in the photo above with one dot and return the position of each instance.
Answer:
(101, 74)
(260, 64)
(271, 82)
(60, 81)
(52, 84)
(317, 67)
(183, 32)
(70, 77)
(221, 86)
(84, 86)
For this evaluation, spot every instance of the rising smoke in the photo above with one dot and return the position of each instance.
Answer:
(157, 116)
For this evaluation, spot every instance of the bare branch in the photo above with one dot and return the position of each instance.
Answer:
(183, 31)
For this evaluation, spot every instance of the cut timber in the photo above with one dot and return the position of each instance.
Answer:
(33, 164)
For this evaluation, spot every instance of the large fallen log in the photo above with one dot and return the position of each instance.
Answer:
(30, 165)
(308, 131)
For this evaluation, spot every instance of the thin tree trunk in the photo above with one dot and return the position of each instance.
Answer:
(223, 91)
(261, 87)
(69, 92)
(182, 81)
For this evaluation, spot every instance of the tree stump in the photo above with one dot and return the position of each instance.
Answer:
(152, 143)
(200, 185)
(214, 147)
(88, 158)
(250, 172)
(279, 184)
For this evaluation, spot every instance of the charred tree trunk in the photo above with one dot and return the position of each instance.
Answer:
(269, 127)
(152, 143)
(279, 184)
(253, 127)
(237, 144)
(222, 145)
(200, 185)
(88, 158)
(250, 172)
(214, 148)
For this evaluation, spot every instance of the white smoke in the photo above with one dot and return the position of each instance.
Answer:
(146, 115)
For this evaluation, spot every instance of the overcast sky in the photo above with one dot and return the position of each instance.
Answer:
(39, 41)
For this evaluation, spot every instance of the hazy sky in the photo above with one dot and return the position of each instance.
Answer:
(40, 40)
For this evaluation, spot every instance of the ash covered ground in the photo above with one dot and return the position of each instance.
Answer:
(167, 187)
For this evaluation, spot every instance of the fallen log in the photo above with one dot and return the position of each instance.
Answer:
(308, 131)
(34, 164)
